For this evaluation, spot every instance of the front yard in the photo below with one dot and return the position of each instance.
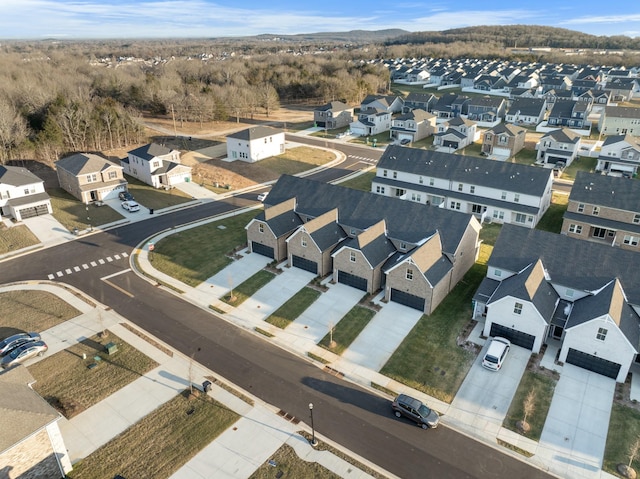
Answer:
(347, 329)
(155, 198)
(15, 238)
(72, 213)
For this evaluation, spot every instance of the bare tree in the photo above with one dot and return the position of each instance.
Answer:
(13, 130)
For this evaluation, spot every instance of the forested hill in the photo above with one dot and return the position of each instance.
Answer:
(355, 36)
(521, 36)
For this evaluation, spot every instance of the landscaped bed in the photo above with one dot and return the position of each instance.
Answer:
(32, 310)
(347, 329)
(208, 254)
(72, 384)
(161, 442)
(433, 358)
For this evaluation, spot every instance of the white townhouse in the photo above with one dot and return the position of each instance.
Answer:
(255, 144)
(619, 154)
(22, 194)
(491, 190)
(156, 165)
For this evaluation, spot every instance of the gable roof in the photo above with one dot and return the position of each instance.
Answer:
(150, 151)
(568, 261)
(406, 221)
(605, 190)
(622, 111)
(83, 163)
(255, 133)
(17, 176)
(507, 128)
(501, 175)
(333, 106)
(563, 135)
(527, 106)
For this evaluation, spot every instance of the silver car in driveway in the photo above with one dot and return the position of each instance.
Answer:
(24, 352)
(12, 342)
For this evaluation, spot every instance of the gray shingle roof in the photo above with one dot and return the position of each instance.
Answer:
(622, 111)
(575, 263)
(255, 133)
(605, 190)
(282, 224)
(527, 106)
(405, 221)
(150, 151)
(328, 235)
(524, 179)
(16, 176)
(83, 163)
(563, 135)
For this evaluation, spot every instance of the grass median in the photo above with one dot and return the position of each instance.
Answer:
(245, 290)
(624, 431)
(541, 388)
(347, 329)
(161, 442)
(293, 308)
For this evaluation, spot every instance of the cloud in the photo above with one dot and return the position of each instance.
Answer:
(635, 17)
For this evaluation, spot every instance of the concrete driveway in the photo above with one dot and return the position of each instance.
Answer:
(575, 432)
(231, 276)
(484, 398)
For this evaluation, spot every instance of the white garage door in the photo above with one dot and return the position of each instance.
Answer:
(113, 194)
(501, 151)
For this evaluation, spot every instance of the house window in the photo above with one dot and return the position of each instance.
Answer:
(580, 207)
(421, 180)
(599, 232)
(569, 293)
(113, 175)
(636, 219)
(352, 256)
(352, 231)
(261, 228)
(431, 181)
(497, 273)
(303, 242)
(415, 197)
(499, 215)
(520, 218)
(455, 205)
(460, 186)
(516, 198)
(478, 209)
(380, 189)
(630, 240)
(517, 308)
(409, 274)
(26, 191)
(395, 174)
(92, 177)
(384, 173)
(602, 334)
(503, 196)
(596, 210)
(403, 246)
(472, 189)
(577, 229)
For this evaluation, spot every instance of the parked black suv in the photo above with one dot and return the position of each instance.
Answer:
(416, 411)
(125, 196)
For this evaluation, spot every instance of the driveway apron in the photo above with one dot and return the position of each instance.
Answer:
(575, 432)
(237, 272)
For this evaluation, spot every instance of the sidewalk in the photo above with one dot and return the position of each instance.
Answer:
(236, 453)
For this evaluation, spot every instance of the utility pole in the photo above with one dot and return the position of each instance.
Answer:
(173, 116)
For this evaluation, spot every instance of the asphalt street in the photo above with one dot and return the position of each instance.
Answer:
(348, 414)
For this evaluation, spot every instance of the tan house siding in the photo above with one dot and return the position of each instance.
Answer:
(32, 458)
(280, 208)
(465, 255)
(418, 286)
(69, 183)
(310, 252)
(266, 238)
(440, 291)
(361, 267)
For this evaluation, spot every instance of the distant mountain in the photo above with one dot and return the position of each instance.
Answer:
(520, 36)
(353, 36)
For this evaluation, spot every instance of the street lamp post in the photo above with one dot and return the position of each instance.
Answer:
(313, 431)
(89, 218)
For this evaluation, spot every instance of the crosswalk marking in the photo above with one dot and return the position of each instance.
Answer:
(51, 276)
(101, 261)
(85, 266)
(68, 271)
(76, 268)
(94, 264)
(60, 273)
(109, 259)
(116, 256)
(126, 255)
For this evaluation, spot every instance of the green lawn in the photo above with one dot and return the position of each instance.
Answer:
(15, 238)
(293, 308)
(624, 430)
(66, 382)
(429, 359)
(154, 198)
(582, 163)
(360, 182)
(347, 329)
(248, 288)
(161, 442)
(552, 220)
(525, 157)
(196, 254)
(72, 213)
(543, 387)
(296, 160)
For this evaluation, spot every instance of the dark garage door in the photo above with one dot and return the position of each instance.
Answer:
(262, 249)
(516, 337)
(411, 300)
(352, 280)
(593, 363)
(306, 264)
(34, 211)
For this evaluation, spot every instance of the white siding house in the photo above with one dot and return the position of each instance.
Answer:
(255, 144)
(156, 165)
(22, 194)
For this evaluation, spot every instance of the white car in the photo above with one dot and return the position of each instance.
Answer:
(130, 206)
(496, 353)
(263, 196)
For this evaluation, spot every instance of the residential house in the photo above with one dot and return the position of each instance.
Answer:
(620, 120)
(491, 190)
(415, 253)
(526, 111)
(597, 99)
(486, 109)
(450, 105)
(558, 147)
(31, 445)
(90, 177)
(552, 96)
(334, 114)
(419, 101)
(156, 165)
(541, 286)
(570, 113)
(371, 121)
(255, 144)
(604, 209)
(503, 141)
(413, 126)
(390, 103)
(621, 89)
(619, 154)
(22, 194)
(455, 133)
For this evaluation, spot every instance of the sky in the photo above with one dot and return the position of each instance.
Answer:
(81, 19)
